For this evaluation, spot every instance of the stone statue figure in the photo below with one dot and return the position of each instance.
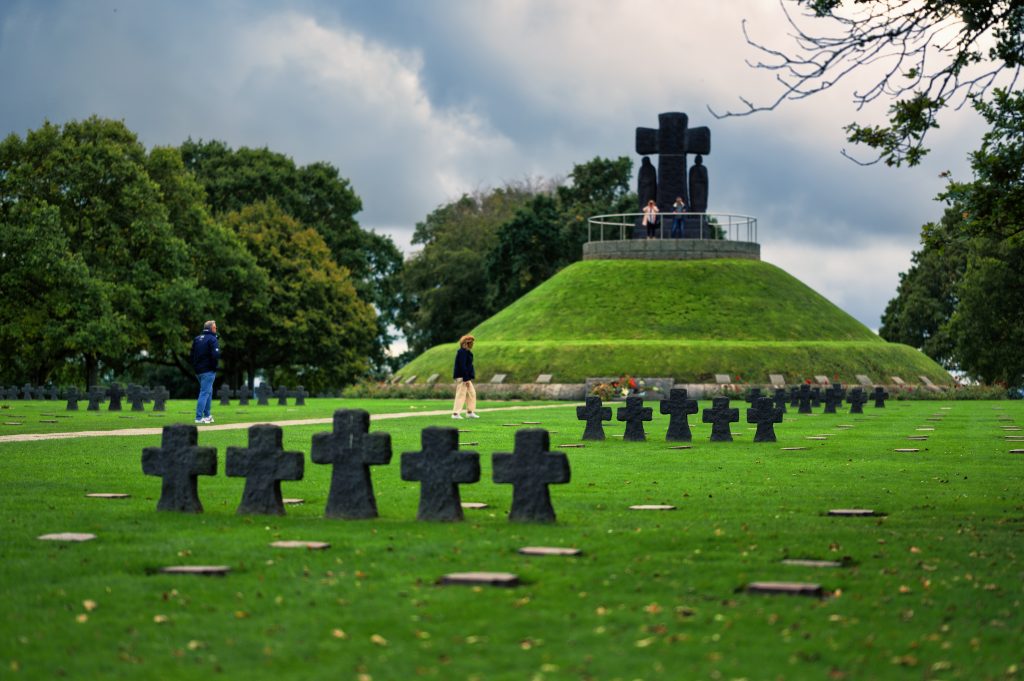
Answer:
(698, 186)
(647, 182)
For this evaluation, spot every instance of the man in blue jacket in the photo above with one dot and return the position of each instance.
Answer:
(204, 356)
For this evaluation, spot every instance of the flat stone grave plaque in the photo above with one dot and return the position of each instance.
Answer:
(55, 420)
(864, 380)
(549, 551)
(843, 425)
(897, 380)
(510, 425)
(571, 446)
(822, 380)
(297, 544)
(212, 570)
(469, 444)
(432, 379)
(681, 447)
(474, 505)
(1013, 438)
(816, 437)
(1010, 428)
(12, 423)
(108, 495)
(919, 438)
(293, 502)
(652, 507)
(723, 379)
(544, 378)
(924, 430)
(530, 423)
(852, 512)
(411, 379)
(934, 418)
(786, 589)
(794, 449)
(498, 378)
(480, 579)
(1017, 451)
(807, 562)
(906, 449)
(67, 536)
(777, 380)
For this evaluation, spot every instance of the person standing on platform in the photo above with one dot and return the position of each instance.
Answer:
(464, 374)
(651, 218)
(678, 208)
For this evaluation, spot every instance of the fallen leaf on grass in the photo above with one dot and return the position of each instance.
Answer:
(338, 633)
(378, 640)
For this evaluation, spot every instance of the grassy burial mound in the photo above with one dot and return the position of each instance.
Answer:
(686, 319)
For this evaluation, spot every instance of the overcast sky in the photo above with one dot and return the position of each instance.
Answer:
(418, 101)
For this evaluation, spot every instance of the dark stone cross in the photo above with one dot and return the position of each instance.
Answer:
(780, 399)
(243, 395)
(720, 416)
(263, 393)
(96, 395)
(52, 393)
(179, 462)
(115, 394)
(12, 393)
(28, 392)
(263, 464)
(765, 414)
(752, 396)
(805, 399)
(856, 400)
(838, 387)
(300, 396)
(282, 396)
(351, 449)
(832, 398)
(530, 468)
(224, 394)
(678, 406)
(440, 467)
(160, 397)
(634, 414)
(672, 141)
(136, 397)
(879, 396)
(794, 396)
(815, 398)
(593, 413)
(72, 397)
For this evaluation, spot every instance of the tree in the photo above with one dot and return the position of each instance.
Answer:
(91, 177)
(929, 54)
(316, 330)
(597, 187)
(317, 196)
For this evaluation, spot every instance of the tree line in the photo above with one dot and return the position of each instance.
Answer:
(112, 256)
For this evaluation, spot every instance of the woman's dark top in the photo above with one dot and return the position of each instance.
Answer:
(464, 365)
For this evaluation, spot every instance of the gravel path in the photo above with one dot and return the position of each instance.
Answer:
(131, 432)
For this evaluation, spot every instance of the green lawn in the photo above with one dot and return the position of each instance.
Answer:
(933, 588)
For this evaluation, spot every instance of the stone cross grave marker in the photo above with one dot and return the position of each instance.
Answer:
(440, 468)
(351, 449)
(300, 395)
(815, 397)
(856, 400)
(832, 397)
(179, 461)
(765, 414)
(634, 414)
(52, 393)
(530, 468)
(780, 399)
(263, 464)
(243, 395)
(72, 397)
(96, 395)
(804, 399)
(678, 406)
(12, 393)
(672, 140)
(136, 396)
(263, 393)
(282, 396)
(28, 392)
(224, 394)
(752, 395)
(720, 416)
(593, 413)
(115, 393)
(160, 397)
(794, 396)
(879, 396)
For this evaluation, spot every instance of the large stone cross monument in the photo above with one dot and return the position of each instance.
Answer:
(672, 141)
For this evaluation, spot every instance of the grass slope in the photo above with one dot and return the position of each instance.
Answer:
(684, 319)
(932, 590)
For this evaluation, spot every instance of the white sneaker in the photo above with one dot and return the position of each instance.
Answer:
(200, 421)
(472, 415)
(208, 419)
(456, 416)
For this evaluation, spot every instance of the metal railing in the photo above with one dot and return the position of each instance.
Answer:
(723, 226)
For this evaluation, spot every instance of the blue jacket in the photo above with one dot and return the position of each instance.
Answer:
(205, 352)
(464, 365)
